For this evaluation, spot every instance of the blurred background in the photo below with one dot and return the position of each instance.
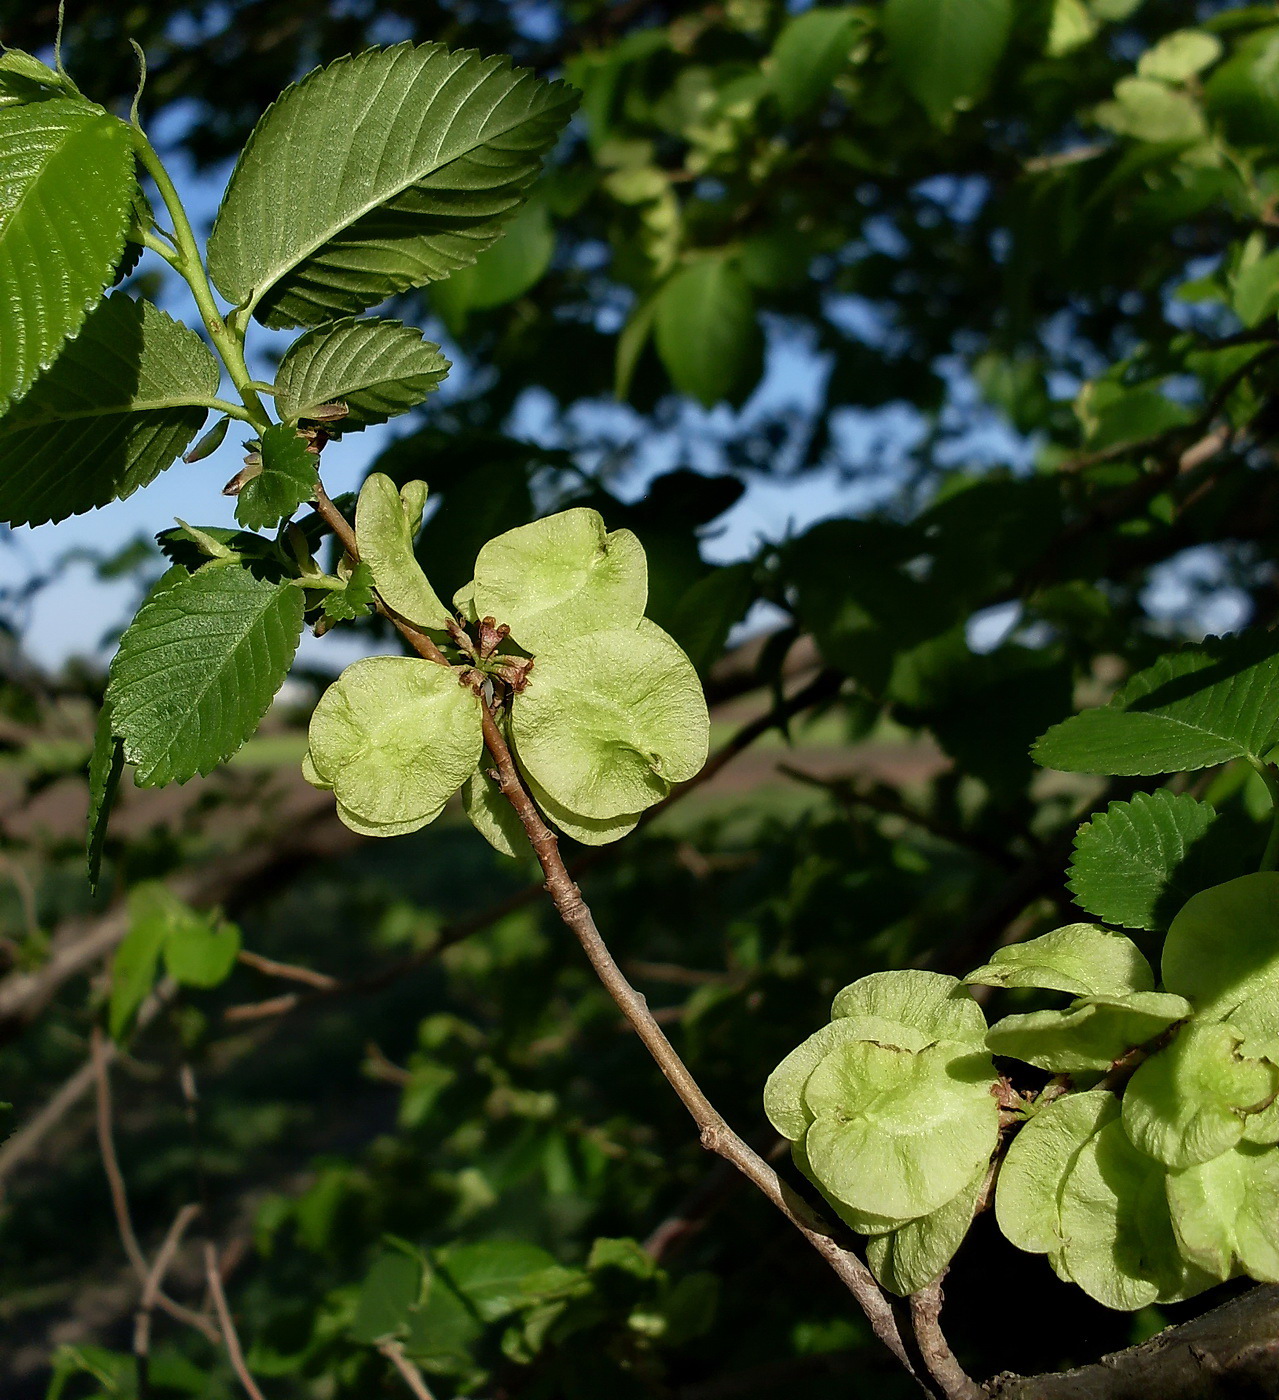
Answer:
(922, 362)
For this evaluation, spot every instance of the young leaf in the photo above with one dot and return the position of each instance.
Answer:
(896, 1133)
(200, 951)
(810, 52)
(707, 334)
(946, 50)
(198, 667)
(112, 413)
(386, 521)
(133, 968)
(1028, 1196)
(344, 604)
(1223, 947)
(493, 816)
(930, 1002)
(911, 1257)
(376, 368)
(286, 481)
(610, 720)
(66, 190)
(436, 150)
(1131, 862)
(561, 576)
(1090, 1034)
(105, 766)
(1081, 959)
(395, 737)
(1186, 1103)
(1191, 709)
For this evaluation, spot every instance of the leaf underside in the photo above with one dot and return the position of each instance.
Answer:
(378, 173)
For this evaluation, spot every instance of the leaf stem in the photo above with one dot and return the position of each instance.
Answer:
(190, 264)
(1270, 860)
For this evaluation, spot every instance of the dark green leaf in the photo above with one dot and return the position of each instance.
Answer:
(113, 412)
(198, 668)
(354, 600)
(286, 481)
(105, 766)
(809, 55)
(1191, 709)
(946, 50)
(707, 334)
(393, 1286)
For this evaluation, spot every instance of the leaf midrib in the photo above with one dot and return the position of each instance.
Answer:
(369, 206)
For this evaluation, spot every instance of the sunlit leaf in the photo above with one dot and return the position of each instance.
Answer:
(1083, 959)
(929, 1002)
(386, 521)
(1090, 1034)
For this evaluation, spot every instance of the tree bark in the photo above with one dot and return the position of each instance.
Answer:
(1230, 1353)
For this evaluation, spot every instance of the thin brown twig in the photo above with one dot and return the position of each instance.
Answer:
(119, 1194)
(288, 972)
(925, 1315)
(230, 1338)
(151, 1293)
(413, 1378)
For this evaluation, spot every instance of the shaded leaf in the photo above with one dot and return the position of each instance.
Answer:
(112, 413)
(707, 334)
(946, 50)
(286, 481)
(106, 764)
(809, 54)
(1223, 947)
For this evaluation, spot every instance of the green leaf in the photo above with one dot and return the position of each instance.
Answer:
(631, 340)
(1035, 1167)
(1081, 959)
(386, 520)
(356, 599)
(1223, 948)
(1225, 1212)
(911, 1257)
(1180, 55)
(286, 481)
(897, 1133)
(610, 720)
(511, 267)
(1186, 1103)
(809, 54)
(23, 78)
(378, 369)
(493, 816)
(395, 737)
(1134, 865)
(112, 413)
(1090, 1034)
(930, 1002)
(707, 612)
(946, 50)
(200, 951)
(556, 578)
(1147, 110)
(198, 667)
(1191, 709)
(707, 334)
(390, 1289)
(133, 969)
(106, 764)
(1119, 1247)
(435, 148)
(784, 1089)
(1255, 289)
(66, 192)
(490, 1275)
